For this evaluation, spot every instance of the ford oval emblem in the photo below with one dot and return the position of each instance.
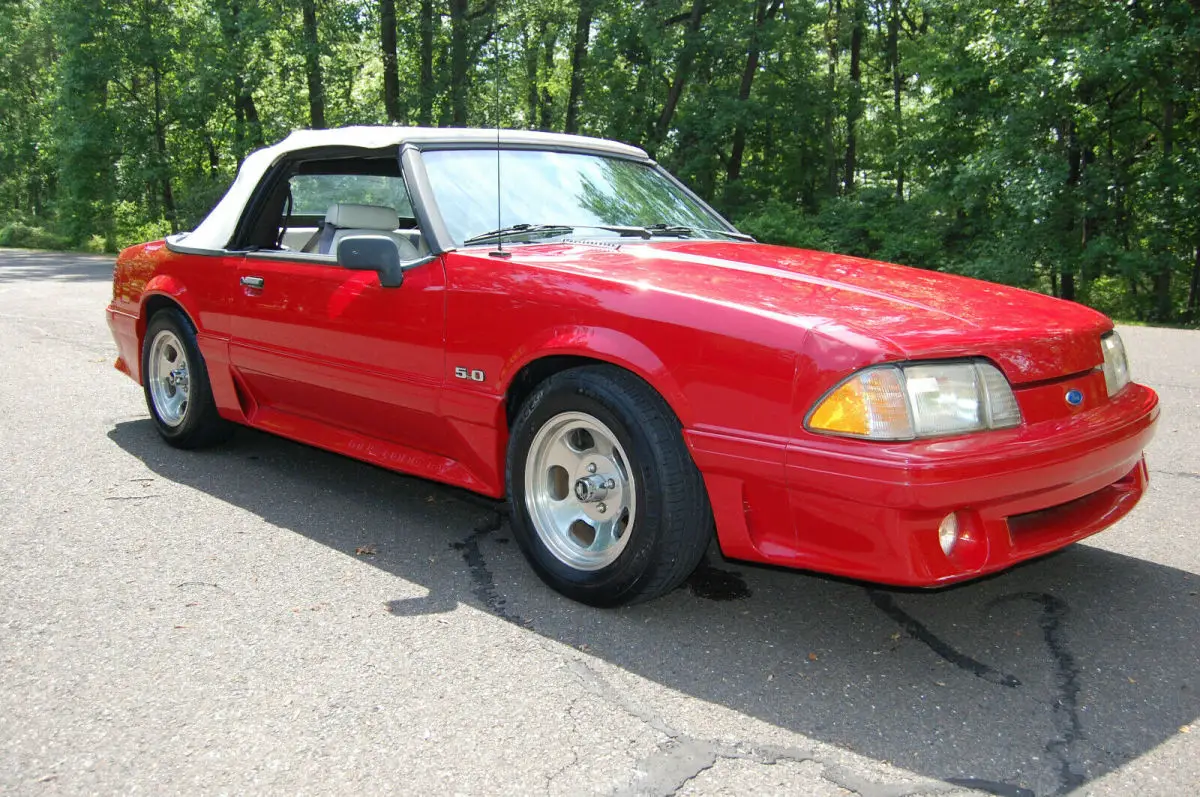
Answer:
(1074, 398)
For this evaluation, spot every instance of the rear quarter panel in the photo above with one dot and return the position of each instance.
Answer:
(198, 284)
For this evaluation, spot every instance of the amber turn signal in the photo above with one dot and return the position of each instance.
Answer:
(869, 404)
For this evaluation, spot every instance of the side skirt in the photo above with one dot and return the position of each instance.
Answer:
(384, 454)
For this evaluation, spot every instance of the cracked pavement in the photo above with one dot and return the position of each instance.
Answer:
(265, 617)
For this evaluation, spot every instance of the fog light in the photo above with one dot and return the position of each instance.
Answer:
(948, 533)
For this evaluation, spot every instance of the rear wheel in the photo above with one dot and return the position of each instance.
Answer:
(175, 381)
(607, 504)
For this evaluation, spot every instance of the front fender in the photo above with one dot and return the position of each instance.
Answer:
(607, 345)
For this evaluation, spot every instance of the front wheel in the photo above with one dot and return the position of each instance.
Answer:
(607, 504)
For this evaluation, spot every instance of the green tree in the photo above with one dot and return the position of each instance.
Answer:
(1053, 144)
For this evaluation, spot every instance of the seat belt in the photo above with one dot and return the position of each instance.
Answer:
(287, 220)
(316, 236)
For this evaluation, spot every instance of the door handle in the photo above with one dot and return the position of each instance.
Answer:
(253, 282)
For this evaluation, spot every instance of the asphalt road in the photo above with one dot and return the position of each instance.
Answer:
(265, 617)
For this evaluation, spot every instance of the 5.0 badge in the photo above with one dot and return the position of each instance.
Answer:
(474, 375)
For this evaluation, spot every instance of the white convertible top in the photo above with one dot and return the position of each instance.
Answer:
(217, 228)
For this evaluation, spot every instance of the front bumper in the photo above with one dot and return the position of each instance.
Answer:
(871, 511)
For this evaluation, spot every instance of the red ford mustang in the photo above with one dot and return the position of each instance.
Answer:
(584, 335)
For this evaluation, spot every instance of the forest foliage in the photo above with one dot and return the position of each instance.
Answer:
(1051, 144)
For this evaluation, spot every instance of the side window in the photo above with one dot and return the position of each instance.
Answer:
(307, 205)
(325, 201)
(313, 194)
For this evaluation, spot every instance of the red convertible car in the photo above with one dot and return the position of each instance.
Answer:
(557, 320)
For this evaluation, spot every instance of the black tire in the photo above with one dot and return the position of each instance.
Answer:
(196, 424)
(673, 524)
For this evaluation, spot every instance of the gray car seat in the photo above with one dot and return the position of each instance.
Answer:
(345, 219)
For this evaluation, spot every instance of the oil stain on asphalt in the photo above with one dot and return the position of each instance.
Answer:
(714, 584)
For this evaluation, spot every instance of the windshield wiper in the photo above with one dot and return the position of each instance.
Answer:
(558, 229)
(677, 230)
(686, 231)
(519, 229)
(624, 231)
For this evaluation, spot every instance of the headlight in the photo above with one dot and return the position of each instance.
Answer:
(1116, 364)
(902, 402)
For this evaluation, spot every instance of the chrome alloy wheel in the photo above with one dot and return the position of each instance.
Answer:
(167, 375)
(580, 491)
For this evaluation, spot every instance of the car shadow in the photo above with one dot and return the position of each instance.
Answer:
(20, 265)
(1035, 681)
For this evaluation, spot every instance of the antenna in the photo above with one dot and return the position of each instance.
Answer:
(499, 252)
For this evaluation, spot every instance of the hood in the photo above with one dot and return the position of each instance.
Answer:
(919, 313)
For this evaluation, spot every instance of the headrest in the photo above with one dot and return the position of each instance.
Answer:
(362, 217)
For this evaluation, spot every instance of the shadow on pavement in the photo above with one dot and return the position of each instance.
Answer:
(1035, 681)
(19, 265)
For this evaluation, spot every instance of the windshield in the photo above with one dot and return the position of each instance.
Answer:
(558, 188)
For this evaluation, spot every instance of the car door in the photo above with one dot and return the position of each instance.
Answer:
(320, 342)
(314, 341)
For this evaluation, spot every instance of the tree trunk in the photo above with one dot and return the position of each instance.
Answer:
(254, 131)
(460, 31)
(239, 121)
(35, 197)
(579, 48)
(164, 162)
(427, 88)
(1068, 285)
(549, 43)
(312, 64)
(1070, 204)
(897, 87)
(1089, 220)
(1163, 268)
(682, 70)
(247, 130)
(854, 105)
(1194, 290)
(832, 46)
(530, 42)
(214, 160)
(391, 76)
(733, 169)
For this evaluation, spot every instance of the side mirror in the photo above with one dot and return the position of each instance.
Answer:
(372, 253)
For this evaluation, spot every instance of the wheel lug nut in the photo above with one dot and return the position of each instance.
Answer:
(601, 508)
(608, 485)
(591, 468)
